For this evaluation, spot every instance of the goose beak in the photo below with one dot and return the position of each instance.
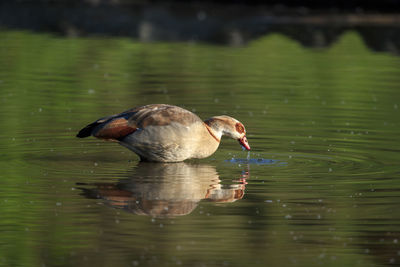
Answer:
(244, 143)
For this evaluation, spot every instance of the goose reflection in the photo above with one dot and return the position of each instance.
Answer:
(167, 189)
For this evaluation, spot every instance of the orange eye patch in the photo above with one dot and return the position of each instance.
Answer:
(239, 127)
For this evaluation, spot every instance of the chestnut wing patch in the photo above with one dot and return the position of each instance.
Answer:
(115, 129)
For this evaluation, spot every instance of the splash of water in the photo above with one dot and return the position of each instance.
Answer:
(258, 161)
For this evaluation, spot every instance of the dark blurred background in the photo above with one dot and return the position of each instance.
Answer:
(312, 23)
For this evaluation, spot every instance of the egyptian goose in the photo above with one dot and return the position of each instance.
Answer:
(166, 133)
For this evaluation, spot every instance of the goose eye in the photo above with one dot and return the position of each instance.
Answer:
(239, 128)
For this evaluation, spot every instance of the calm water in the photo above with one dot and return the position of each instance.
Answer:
(321, 186)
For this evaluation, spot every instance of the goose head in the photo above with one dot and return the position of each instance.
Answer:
(225, 125)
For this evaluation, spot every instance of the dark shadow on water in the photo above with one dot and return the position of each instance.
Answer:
(166, 189)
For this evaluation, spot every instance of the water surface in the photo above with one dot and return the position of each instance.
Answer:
(321, 185)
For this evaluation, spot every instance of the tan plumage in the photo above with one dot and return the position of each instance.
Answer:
(166, 133)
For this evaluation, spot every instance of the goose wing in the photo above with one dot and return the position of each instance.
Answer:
(116, 127)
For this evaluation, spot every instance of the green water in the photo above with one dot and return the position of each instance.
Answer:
(321, 187)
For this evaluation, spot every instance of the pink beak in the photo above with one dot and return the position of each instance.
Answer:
(244, 143)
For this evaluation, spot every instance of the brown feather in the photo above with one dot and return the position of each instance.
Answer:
(160, 115)
(115, 129)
